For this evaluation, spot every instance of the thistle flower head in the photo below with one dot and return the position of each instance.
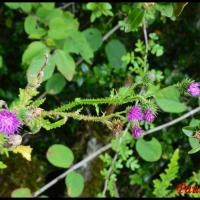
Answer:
(136, 131)
(194, 89)
(149, 115)
(152, 76)
(9, 123)
(135, 113)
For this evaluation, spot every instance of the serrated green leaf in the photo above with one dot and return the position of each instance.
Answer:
(65, 64)
(195, 150)
(34, 49)
(55, 84)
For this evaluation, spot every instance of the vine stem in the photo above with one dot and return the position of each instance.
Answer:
(105, 148)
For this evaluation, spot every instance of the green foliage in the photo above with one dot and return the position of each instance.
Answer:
(35, 66)
(168, 100)
(150, 151)
(135, 18)
(49, 126)
(21, 192)
(75, 184)
(94, 38)
(161, 187)
(99, 9)
(55, 84)
(65, 64)
(60, 156)
(114, 51)
(97, 79)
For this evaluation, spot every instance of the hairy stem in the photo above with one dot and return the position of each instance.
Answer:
(106, 100)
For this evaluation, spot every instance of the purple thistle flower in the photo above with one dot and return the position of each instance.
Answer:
(9, 123)
(135, 113)
(149, 115)
(137, 131)
(152, 76)
(194, 89)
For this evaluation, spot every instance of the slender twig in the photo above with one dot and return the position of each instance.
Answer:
(74, 167)
(66, 5)
(158, 128)
(107, 35)
(108, 146)
(113, 161)
(42, 96)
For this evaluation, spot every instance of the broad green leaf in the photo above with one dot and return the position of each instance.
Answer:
(60, 156)
(35, 66)
(194, 122)
(114, 52)
(65, 64)
(75, 184)
(77, 43)
(166, 9)
(38, 33)
(55, 84)
(134, 19)
(13, 5)
(21, 192)
(58, 29)
(61, 27)
(188, 130)
(94, 38)
(26, 7)
(47, 15)
(30, 24)
(194, 142)
(194, 150)
(48, 6)
(150, 151)
(168, 100)
(71, 45)
(34, 49)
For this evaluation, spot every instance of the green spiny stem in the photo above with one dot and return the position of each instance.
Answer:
(107, 100)
(103, 119)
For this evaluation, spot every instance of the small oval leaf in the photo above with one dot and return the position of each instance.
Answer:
(75, 184)
(21, 192)
(150, 151)
(60, 156)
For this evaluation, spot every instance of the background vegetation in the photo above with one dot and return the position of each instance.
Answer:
(94, 50)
